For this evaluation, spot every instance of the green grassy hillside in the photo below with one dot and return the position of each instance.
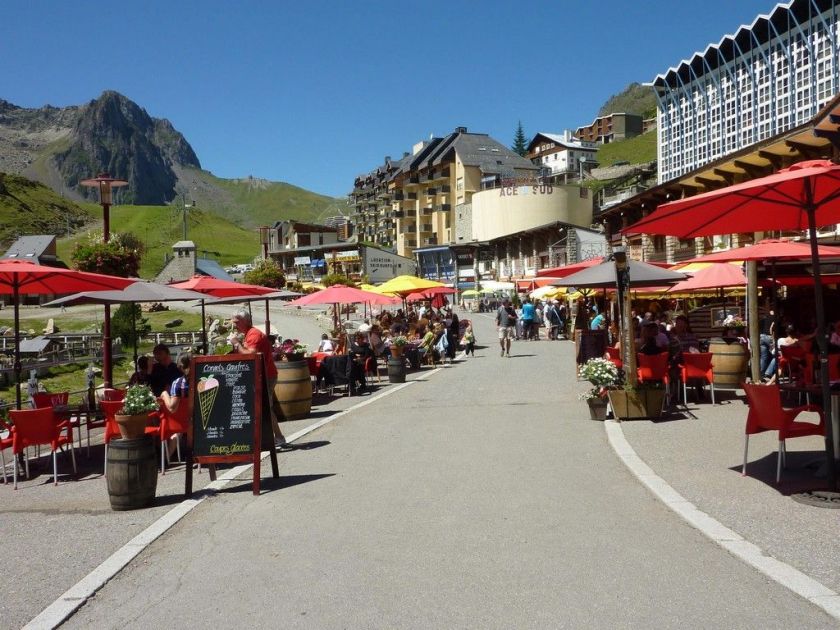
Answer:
(159, 227)
(27, 207)
(636, 150)
(251, 202)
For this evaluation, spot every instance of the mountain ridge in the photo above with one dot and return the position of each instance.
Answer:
(60, 146)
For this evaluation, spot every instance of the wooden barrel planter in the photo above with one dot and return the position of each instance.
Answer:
(729, 362)
(293, 390)
(132, 473)
(396, 370)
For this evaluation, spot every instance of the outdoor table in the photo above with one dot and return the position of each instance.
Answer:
(412, 353)
(315, 360)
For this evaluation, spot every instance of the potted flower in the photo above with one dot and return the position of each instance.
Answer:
(397, 345)
(292, 350)
(138, 403)
(642, 400)
(603, 375)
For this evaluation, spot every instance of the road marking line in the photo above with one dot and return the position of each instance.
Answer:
(784, 574)
(61, 609)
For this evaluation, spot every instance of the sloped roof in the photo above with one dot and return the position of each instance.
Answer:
(33, 248)
(487, 154)
(207, 267)
(572, 143)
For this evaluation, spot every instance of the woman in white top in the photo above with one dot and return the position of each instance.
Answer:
(326, 345)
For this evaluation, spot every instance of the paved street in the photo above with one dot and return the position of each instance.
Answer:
(480, 497)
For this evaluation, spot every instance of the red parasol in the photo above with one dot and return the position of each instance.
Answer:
(714, 276)
(340, 294)
(804, 196)
(20, 277)
(417, 296)
(438, 291)
(770, 249)
(221, 288)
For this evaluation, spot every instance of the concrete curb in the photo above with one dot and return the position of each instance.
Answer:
(780, 572)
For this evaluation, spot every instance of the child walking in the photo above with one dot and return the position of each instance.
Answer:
(469, 340)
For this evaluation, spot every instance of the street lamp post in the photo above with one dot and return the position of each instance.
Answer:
(105, 183)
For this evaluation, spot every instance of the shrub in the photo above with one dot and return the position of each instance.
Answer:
(266, 273)
(337, 278)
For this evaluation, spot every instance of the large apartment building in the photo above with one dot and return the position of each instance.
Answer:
(768, 77)
(615, 126)
(409, 203)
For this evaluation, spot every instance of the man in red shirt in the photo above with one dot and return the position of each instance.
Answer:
(255, 341)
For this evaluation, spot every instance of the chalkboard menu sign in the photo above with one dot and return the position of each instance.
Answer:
(223, 413)
(230, 412)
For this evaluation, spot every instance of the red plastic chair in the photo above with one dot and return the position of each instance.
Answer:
(6, 442)
(113, 394)
(793, 360)
(172, 423)
(614, 356)
(653, 367)
(33, 427)
(697, 366)
(767, 414)
(42, 400)
(834, 367)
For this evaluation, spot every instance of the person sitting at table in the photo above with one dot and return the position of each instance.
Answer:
(326, 344)
(651, 341)
(361, 352)
(427, 344)
(341, 344)
(377, 344)
(142, 375)
(164, 371)
(179, 389)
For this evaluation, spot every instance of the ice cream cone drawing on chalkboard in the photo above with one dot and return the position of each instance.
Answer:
(208, 389)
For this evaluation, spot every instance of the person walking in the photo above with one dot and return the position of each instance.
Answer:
(527, 319)
(506, 323)
(255, 341)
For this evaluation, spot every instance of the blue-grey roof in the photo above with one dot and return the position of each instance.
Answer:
(207, 267)
(34, 345)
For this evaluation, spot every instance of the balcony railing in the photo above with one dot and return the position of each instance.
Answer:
(411, 229)
(431, 192)
(446, 188)
(427, 210)
(413, 179)
(399, 195)
(443, 207)
(412, 196)
(399, 214)
(426, 227)
(432, 240)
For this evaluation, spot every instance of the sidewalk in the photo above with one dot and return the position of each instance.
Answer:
(53, 536)
(701, 459)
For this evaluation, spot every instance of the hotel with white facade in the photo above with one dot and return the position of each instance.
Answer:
(767, 78)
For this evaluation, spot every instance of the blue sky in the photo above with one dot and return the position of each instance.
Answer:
(313, 93)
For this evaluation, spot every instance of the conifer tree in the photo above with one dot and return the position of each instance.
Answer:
(520, 143)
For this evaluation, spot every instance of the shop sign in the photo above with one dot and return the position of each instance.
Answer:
(301, 260)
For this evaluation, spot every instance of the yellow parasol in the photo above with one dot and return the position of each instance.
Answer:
(403, 285)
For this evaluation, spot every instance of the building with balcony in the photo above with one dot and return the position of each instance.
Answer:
(561, 156)
(426, 185)
(615, 126)
(289, 235)
(769, 77)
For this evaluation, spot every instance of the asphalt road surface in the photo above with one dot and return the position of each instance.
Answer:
(482, 497)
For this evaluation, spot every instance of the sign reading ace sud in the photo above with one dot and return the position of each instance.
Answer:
(231, 419)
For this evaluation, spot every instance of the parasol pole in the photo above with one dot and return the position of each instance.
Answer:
(134, 333)
(752, 319)
(825, 387)
(267, 320)
(203, 329)
(774, 333)
(16, 298)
